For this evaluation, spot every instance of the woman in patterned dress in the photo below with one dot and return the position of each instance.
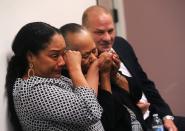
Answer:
(38, 95)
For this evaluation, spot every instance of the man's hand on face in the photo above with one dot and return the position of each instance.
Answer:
(105, 62)
(115, 64)
(109, 62)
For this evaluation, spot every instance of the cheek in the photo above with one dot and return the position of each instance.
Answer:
(113, 36)
(45, 66)
(85, 64)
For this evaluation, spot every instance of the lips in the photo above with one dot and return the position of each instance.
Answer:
(105, 43)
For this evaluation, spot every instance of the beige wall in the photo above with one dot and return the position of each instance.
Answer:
(156, 29)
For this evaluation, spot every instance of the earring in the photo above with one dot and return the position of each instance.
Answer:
(31, 71)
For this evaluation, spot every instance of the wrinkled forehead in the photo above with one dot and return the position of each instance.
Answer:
(100, 21)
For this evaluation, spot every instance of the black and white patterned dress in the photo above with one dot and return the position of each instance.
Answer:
(49, 104)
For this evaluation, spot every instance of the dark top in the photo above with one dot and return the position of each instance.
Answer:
(115, 117)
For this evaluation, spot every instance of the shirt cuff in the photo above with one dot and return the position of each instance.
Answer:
(168, 117)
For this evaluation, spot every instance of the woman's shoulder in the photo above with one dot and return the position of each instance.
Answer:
(36, 81)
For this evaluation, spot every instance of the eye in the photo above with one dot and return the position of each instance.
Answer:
(99, 32)
(55, 55)
(110, 31)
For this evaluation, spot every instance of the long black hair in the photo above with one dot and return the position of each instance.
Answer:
(32, 37)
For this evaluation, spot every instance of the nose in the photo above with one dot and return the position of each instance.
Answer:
(61, 61)
(106, 36)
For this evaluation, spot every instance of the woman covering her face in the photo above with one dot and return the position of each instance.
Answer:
(38, 95)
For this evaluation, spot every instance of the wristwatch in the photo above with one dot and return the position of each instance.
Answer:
(168, 117)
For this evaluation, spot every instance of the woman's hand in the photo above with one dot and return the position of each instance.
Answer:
(72, 60)
(73, 63)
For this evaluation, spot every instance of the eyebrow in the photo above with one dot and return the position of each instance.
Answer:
(99, 30)
(57, 50)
